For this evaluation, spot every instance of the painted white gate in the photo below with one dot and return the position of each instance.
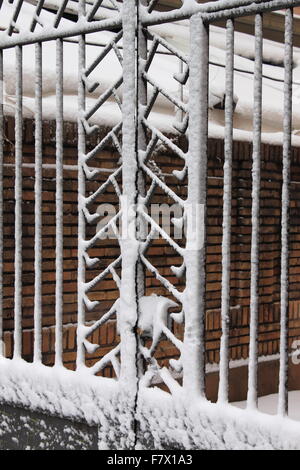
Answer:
(127, 410)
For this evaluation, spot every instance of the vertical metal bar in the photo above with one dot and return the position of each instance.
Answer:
(38, 11)
(129, 243)
(179, 112)
(141, 131)
(194, 257)
(141, 142)
(60, 13)
(15, 17)
(2, 351)
(18, 204)
(94, 9)
(59, 203)
(37, 355)
(81, 186)
(254, 297)
(227, 194)
(286, 158)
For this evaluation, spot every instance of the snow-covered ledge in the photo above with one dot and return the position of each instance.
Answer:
(164, 421)
(171, 423)
(77, 396)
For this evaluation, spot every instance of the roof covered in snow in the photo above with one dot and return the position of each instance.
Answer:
(162, 71)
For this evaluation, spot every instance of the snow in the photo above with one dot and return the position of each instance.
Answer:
(42, 388)
(128, 243)
(59, 204)
(200, 424)
(153, 321)
(214, 367)
(226, 226)
(154, 316)
(161, 71)
(193, 359)
(80, 397)
(72, 7)
(269, 404)
(38, 210)
(196, 424)
(115, 405)
(255, 212)
(18, 209)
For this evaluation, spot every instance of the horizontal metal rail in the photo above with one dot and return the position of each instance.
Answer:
(59, 33)
(218, 10)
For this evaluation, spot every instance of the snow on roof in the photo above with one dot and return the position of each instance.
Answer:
(162, 71)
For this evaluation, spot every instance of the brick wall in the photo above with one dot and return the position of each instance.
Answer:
(160, 254)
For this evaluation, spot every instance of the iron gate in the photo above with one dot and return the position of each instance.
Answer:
(126, 408)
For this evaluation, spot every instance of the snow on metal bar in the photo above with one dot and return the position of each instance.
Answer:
(194, 257)
(252, 9)
(80, 361)
(105, 51)
(94, 9)
(13, 24)
(60, 12)
(36, 18)
(128, 308)
(162, 232)
(227, 195)
(18, 205)
(169, 97)
(90, 276)
(1, 201)
(286, 160)
(18, 33)
(103, 98)
(101, 145)
(165, 140)
(153, 311)
(59, 203)
(256, 158)
(141, 85)
(161, 184)
(213, 11)
(158, 40)
(38, 207)
(190, 8)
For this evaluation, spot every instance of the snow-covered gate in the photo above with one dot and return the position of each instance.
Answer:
(127, 410)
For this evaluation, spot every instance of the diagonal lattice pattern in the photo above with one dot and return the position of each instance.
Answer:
(169, 90)
(47, 21)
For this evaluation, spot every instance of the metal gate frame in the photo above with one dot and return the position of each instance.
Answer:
(139, 138)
